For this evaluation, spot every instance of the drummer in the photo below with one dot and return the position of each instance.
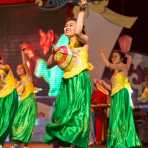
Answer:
(100, 99)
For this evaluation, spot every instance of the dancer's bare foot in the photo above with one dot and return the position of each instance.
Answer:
(15, 146)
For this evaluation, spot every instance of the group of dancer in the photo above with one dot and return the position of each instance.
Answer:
(18, 109)
(69, 125)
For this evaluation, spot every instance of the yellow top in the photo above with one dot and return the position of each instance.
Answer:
(25, 87)
(7, 81)
(119, 81)
(79, 61)
(144, 95)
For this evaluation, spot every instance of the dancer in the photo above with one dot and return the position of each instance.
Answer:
(70, 119)
(26, 114)
(121, 132)
(8, 100)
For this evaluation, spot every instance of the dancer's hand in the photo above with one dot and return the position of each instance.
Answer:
(2, 66)
(23, 46)
(101, 82)
(83, 2)
(102, 50)
(83, 5)
(129, 61)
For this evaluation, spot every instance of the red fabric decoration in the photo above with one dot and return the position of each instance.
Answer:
(6, 2)
(100, 115)
(46, 40)
(99, 98)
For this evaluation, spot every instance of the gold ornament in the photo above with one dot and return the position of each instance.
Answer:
(39, 3)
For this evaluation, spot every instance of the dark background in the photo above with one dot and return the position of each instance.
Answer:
(139, 31)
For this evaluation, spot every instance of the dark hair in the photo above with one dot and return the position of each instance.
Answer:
(74, 19)
(83, 29)
(22, 65)
(70, 19)
(26, 42)
(1, 56)
(122, 56)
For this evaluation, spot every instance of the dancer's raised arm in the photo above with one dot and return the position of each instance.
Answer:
(129, 61)
(24, 61)
(116, 65)
(80, 22)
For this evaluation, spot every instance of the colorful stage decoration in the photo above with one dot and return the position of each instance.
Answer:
(98, 6)
(46, 4)
(50, 5)
(53, 76)
(47, 40)
(62, 54)
(137, 77)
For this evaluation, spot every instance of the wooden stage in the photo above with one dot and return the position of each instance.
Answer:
(40, 145)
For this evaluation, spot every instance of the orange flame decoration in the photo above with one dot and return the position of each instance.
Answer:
(125, 42)
(47, 40)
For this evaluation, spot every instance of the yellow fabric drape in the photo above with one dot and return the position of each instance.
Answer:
(7, 83)
(115, 18)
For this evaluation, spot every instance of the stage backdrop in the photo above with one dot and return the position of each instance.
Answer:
(21, 23)
(102, 34)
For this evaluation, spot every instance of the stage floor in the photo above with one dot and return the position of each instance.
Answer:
(39, 145)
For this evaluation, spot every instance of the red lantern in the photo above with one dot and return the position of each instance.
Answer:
(125, 42)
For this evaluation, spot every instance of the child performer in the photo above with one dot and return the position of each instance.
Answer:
(26, 114)
(121, 132)
(8, 100)
(70, 119)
